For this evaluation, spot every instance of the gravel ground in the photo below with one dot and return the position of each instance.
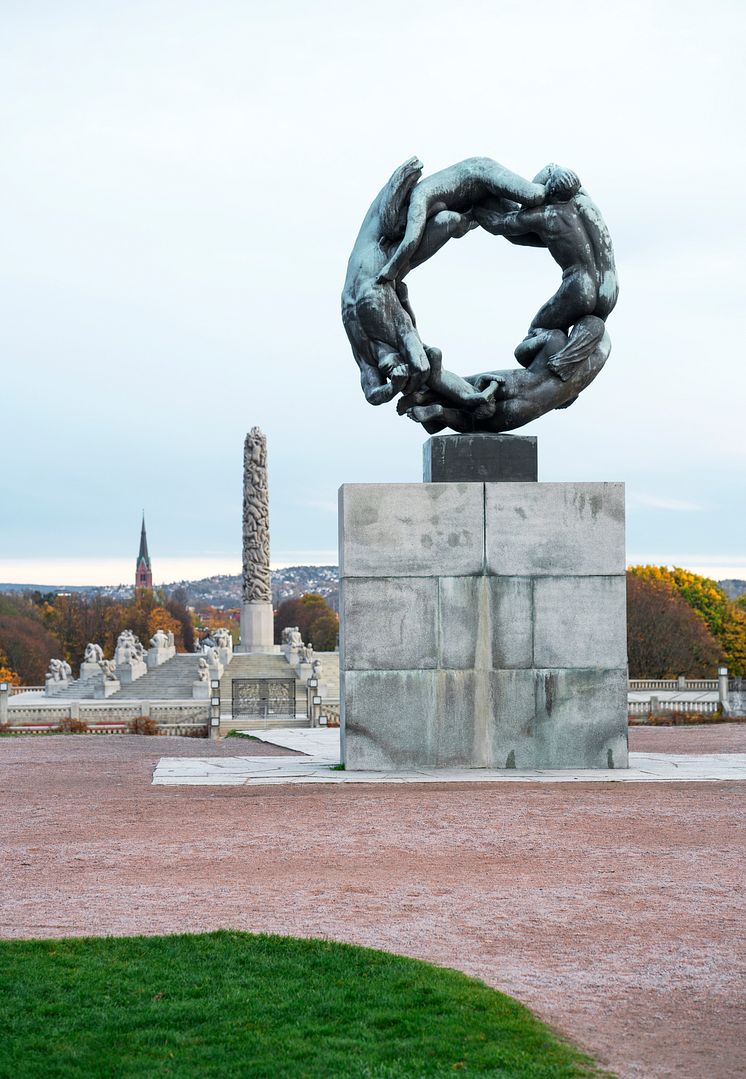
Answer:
(616, 913)
(711, 738)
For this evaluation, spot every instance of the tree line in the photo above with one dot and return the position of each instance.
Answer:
(677, 623)
(681, 623)
(36, 627)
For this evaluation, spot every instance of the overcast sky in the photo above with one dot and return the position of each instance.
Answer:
(181, 184)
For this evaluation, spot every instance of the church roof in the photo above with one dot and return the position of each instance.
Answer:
(143, 555)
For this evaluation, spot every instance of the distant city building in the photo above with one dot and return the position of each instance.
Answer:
(143, 573)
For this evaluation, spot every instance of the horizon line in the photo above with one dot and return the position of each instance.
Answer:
(77, 572)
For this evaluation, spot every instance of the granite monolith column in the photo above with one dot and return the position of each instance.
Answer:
(257, 623)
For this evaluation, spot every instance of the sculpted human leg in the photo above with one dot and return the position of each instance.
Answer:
(576, 297)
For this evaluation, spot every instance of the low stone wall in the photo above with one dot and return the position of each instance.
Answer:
(639, 708)
(108, 717)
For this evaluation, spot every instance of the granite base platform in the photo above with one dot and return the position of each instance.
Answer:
(483, 625)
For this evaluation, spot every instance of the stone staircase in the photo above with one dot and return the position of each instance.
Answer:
(172, 681)
(253, 666)
(258, 666)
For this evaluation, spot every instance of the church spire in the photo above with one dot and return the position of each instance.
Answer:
(143, 574)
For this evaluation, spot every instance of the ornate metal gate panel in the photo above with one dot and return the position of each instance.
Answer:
(263, 697)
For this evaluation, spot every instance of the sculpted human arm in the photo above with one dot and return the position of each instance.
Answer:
(517, 223)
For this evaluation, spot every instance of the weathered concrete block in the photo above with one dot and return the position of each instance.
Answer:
(554, 529)
(580, 622)
(411, 529)
(441, 719)
(485, 622)
(391, 623)
(456, 653)
(480, 458)
(581, 719)
(390, 719)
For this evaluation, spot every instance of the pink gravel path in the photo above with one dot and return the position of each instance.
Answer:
(615, 912)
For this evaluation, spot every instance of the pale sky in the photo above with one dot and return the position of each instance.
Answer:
(181, 184)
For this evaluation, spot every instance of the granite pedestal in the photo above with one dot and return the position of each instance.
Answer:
(479, 457)
(483, 625)
(257, 628)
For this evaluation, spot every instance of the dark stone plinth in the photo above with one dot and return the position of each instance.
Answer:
(480, 458)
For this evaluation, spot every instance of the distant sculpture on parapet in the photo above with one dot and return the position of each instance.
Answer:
(59, 671)
(58, 677)
(108, 669)
(94, 653)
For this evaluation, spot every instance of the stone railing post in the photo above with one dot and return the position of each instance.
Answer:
(4, 696)
(682, 681)
(313, 701)
(213, 713)
(723, 686)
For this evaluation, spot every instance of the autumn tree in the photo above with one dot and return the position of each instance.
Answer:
(160, 618)
(25, 643)
(665, 637)
(702, 594)
(733, 641)
(6, 674)
(317, 622)
(212, 618)
(176, 606)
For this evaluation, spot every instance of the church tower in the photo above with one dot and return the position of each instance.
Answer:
(143, 574)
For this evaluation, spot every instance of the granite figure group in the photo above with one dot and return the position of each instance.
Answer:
(408, 222)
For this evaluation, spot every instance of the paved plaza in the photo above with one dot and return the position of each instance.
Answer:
(614, 910)
(321, 749)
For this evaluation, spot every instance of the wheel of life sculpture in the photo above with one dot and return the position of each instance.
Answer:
(408, 222)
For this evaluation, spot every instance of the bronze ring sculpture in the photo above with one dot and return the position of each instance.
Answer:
(408, 222)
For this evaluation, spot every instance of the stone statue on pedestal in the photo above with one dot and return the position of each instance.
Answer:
(483, 612)
(94, 653)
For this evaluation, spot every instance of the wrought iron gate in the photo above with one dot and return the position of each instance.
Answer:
(263, 697)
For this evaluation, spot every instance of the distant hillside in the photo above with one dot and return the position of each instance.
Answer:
(733, 587)
(45, 587)
(225, 591)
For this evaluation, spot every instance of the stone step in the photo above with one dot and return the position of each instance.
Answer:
(229, 724)
(173, 680)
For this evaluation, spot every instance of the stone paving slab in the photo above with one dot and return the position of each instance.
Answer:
(322, 747)
(319, 742)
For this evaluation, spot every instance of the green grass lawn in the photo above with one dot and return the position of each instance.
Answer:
(234, 1004)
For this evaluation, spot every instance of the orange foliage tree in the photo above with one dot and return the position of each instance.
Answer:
(6, 674)
(221, 618)
(317, 622)
(665, 637)
(724, 618)
(159, 618)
